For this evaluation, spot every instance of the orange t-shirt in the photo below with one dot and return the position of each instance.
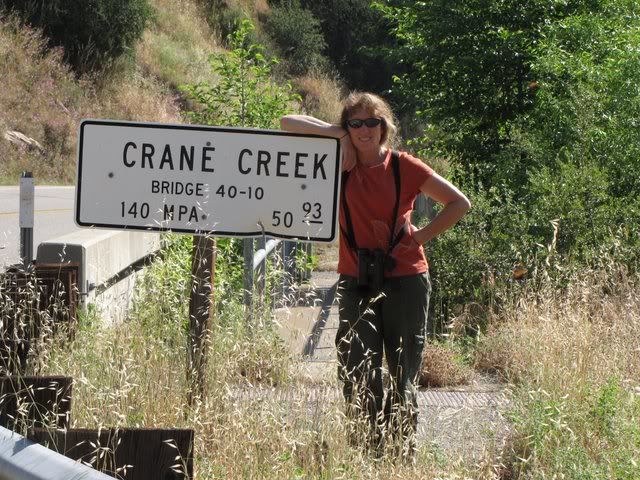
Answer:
(371, 196)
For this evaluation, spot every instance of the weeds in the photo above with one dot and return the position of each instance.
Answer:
(574, 357)
(258, 419)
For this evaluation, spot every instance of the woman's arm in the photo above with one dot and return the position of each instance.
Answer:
(456, 204)
(315, 126)
(311, 125)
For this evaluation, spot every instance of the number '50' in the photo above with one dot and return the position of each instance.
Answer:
(279, 217)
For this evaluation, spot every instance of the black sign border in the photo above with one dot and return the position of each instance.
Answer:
(257, 233)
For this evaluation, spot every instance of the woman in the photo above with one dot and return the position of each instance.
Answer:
(384, 284)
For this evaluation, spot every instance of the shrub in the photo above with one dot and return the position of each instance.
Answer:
(297, 33)
(442, 366)
(91, 32)
(245, 96)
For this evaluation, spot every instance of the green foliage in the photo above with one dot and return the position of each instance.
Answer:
(581, 139)
(605, 407)
(556, 435)
(297, 33)
(357, 39)
(471, 68)
(535, 106)
(229, 270)
(92, 33)
(245, 95)
(474, 262)
(159, 301)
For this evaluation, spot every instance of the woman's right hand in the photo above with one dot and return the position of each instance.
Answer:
(315, 126)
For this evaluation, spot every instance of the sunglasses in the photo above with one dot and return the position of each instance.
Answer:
(369, 122)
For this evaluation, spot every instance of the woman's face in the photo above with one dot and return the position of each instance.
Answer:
(365, 138)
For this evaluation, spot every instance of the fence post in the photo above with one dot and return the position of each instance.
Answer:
(27, 193)
(203, 261)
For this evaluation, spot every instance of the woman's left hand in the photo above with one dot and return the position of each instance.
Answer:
(456, 204)
(417, 234)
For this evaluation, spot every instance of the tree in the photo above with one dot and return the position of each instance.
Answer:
(358, 38)
(470, 69)
(245, 95)
(536, 106)
(91, 32)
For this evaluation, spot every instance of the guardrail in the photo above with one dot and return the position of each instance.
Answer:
(22, 459)
(254, 279)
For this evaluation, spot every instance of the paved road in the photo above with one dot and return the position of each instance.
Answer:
(53, 217)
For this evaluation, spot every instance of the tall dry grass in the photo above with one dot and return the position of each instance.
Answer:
(45, 101)
(320, 96)
(255, 422)
(176, 48)
(573, 356)
(262, 416)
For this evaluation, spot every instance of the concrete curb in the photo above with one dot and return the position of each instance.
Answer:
(104, 259)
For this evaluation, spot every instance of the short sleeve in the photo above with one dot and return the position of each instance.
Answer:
(414, 172)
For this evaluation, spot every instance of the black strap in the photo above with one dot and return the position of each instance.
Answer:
(349, 233)
(395, 164)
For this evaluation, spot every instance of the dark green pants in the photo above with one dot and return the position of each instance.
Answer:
(392, 323)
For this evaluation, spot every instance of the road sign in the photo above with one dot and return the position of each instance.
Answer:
(197, 179)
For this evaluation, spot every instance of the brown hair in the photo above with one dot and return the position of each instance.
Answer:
(374, 104)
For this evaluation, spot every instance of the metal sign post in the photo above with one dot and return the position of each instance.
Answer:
(27, 194)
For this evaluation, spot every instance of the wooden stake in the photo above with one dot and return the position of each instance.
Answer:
(203, 261)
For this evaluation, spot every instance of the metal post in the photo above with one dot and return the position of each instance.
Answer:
(261, 270)
(289, 267)
(294, 263)
(247, 279)
(27, 194)
(307, 270)
(277, 299)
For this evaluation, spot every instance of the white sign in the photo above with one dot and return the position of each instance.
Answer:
(196, 179)
(27, 195)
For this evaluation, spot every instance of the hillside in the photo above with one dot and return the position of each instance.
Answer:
(44, 101)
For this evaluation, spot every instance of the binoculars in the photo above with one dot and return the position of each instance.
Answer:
(371, 267)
